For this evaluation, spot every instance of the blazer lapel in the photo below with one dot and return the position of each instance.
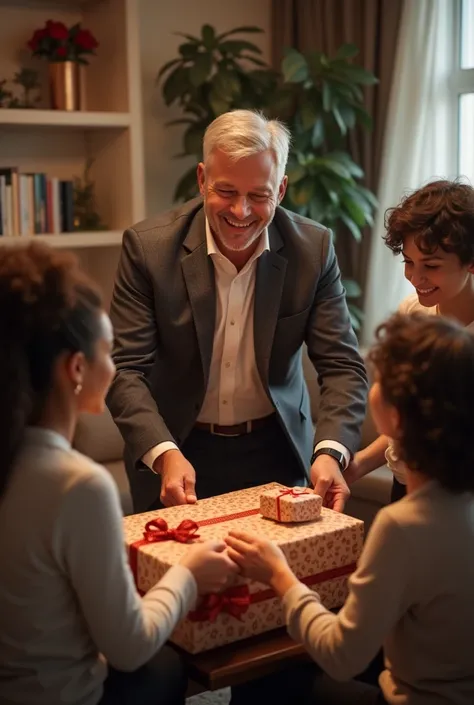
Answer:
(198, 274)
(271, 269)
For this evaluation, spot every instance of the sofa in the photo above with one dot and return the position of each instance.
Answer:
(99, 438)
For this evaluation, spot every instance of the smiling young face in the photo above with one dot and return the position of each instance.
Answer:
(240, 198)
(438, 277)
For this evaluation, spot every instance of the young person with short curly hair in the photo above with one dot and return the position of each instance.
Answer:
(412, 590)
(73, 629)
(433, 230)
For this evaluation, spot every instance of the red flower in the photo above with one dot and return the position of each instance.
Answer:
(57, 30)
(36, 39)
(85, 40)
(61, 52)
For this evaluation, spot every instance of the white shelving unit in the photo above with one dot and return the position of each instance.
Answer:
(109, 131)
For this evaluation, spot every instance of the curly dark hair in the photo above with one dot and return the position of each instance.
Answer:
(47, 306)
(425, 366)
(439, 215)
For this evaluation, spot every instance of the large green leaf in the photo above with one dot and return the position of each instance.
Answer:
(327, 97)
(336, 167)
(226, 84)
(294, 67)
(218, 103)
(358, 75)
(347, 51)
(339, 120)
(237, 46)
(167, 66)
(369, 196)
(309, 115)
(317, 137)
(295, 173)
(345, 159)
(240, 30)
(201, 69)
(187, 186)
(353, 227)
(353, 210)
(174, 85)
(190, 37)
(208, 35)
(188, 51)
(193, 139)
(302, 192)
(352, 288)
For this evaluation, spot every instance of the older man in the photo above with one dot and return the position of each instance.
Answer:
(212, 305)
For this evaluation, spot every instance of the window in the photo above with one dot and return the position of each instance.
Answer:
(464, 87)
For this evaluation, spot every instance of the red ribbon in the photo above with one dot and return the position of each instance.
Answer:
(292, 492)
(157, 530)
(234, 601)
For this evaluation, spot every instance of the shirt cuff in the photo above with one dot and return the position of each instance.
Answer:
(335, 446)
(151, 455)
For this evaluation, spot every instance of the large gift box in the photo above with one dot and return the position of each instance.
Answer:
(322, 554)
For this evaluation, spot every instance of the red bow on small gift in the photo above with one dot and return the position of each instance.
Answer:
(157, 530)
(234, 601)
(292, 492)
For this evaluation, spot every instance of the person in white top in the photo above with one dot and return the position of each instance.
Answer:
(213, 304)
(433, 230)
(73, 629)
(412, 590)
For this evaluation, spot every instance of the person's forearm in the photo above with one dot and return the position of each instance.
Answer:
(283, 580)
(373, 456)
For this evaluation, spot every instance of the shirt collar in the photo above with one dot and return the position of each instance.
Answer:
(36, 435)
(212, 249)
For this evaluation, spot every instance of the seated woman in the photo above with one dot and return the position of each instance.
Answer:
(414, 585)
(72, 627)
(433, 230)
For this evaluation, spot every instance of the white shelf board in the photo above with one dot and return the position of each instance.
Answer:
(61, 118)
(101, 238)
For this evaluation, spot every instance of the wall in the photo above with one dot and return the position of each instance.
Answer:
(158, 21)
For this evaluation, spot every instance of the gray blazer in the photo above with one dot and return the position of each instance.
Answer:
(163, 312)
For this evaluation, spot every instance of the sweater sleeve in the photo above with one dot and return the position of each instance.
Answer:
(126, 629)
(344, 644)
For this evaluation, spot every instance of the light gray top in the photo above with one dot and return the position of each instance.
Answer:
(412, 591)
(68, 602)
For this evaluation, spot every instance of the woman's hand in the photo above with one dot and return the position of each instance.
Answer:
(211, 565)
(260, 560)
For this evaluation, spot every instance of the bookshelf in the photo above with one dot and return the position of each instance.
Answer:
(109, 130)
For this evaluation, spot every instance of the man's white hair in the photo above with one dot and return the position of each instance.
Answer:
(242, 133)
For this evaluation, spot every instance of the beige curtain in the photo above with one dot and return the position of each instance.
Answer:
(372, 25)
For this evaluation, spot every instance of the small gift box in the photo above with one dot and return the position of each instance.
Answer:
(294, 504)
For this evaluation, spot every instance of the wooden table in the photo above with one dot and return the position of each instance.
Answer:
(243, 661)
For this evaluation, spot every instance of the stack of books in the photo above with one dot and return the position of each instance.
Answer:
(35, 204)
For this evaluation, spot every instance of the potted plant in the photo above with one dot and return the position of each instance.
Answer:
(321, 100)
(214, 73)
(66, 50)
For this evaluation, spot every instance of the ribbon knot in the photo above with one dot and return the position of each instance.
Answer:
(234, 601)
(292, 492)
(157, 530)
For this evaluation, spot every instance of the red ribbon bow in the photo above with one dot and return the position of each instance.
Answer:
(157, 530)
(293, 492)
(234, 601)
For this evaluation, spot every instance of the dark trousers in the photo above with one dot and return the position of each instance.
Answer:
(161, 681)
(398, 490)
(225, 464)
(306, 684)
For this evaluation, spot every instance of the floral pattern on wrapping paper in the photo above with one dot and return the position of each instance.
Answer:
(334, 541)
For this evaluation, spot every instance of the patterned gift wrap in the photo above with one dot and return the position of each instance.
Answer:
(297, 504)
(321, 553)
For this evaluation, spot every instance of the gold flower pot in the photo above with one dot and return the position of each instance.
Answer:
(65, 85)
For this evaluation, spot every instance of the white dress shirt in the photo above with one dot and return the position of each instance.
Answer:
(235, 392)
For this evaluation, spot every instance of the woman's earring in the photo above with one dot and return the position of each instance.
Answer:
(78, 389)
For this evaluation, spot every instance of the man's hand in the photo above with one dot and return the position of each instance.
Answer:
(178, 478)
(329, 483)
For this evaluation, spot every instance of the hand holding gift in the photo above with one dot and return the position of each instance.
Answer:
(211, 566)
(260, 560)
